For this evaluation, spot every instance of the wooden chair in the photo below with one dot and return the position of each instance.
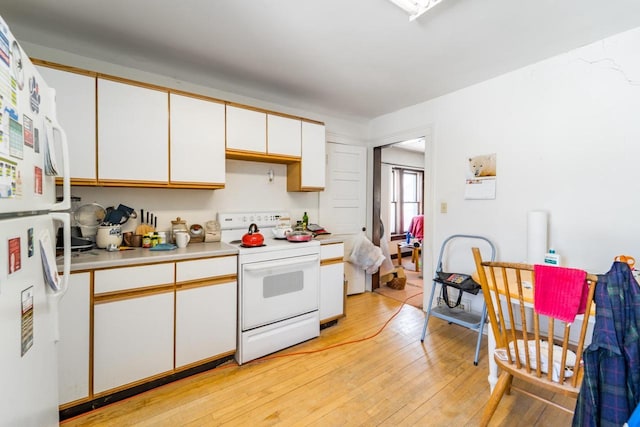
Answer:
(515, 331)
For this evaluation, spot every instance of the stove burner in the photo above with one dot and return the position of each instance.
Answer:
(242, 245)
(235, 242)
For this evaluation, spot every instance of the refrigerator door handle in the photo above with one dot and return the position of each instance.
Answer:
(65, 218)
(65, 203)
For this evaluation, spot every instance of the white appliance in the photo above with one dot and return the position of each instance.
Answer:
(278, 286)
(30, 287)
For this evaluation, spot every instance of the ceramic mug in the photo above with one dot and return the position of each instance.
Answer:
(182, 239)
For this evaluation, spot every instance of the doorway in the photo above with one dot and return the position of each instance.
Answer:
(398, 175)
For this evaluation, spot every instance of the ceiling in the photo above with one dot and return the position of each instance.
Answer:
(354, 59)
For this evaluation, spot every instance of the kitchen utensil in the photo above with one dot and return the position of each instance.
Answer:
(119, 215)
(109, 235)
(253, 237)
(196, 231)
(182, 239)
(177, 225)
(299, 236)
(136, 240)
(88, 217)
(281, 232)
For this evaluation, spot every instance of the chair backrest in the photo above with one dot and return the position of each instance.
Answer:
(517, 329)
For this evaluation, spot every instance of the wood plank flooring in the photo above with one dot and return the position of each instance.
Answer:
(390, 379)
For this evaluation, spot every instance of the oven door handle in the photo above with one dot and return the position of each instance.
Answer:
(282, 263)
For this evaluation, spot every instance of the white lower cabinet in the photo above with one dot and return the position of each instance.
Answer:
(133, 324)
(331, 282)
(135, 331)
(133, 340)
(206, 304)
(205, 322)
(73, 347)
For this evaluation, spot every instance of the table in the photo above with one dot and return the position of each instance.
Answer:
(415, 254)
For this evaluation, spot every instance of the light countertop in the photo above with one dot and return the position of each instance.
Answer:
(100, 258)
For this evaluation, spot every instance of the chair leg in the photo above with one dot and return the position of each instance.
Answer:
(503, 382)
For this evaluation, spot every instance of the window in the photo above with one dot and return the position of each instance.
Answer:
(406, 198)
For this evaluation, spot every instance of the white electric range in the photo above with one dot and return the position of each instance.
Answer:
(278, 286)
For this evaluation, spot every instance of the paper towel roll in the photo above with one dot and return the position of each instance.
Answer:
(537, 230)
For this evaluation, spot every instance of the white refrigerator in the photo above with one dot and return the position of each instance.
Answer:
(30, 285)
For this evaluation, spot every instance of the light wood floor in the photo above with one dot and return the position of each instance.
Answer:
(391, 379)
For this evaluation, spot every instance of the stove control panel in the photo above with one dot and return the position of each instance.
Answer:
(242, 220)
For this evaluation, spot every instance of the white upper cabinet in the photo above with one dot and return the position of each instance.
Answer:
(197, 141)
(133, 133)
(283, 136)
(246, 130)
(313, 156)
(76, 110)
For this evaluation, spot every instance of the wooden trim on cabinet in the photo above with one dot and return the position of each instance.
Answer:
(204, 361)
(80, 182)
(133, 82)
(210, 281)
(96, 142)
(196, 95)
(294, 176)
(107, 297)
(133, 384)
(196, 185)
(254, 156)
(329, 261)
(92, 289)
(61, 67)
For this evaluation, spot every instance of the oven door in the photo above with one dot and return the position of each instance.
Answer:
(278, 289)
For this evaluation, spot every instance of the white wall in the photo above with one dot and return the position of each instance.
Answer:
(567, 136)
(247, 189)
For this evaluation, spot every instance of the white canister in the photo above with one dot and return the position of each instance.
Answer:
(109, 235)
(162, 237)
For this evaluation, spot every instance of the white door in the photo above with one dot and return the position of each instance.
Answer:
(343, 202)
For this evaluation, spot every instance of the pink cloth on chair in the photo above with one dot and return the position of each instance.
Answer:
(560, 292)
(416, 228)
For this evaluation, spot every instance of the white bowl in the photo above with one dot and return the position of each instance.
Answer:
(280, 233)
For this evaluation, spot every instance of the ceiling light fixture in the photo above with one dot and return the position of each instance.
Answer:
(415, 8)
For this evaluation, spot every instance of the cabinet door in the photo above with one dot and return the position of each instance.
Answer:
(205, 322)
(76, 110)
(283, 136)
(133, 340)
(331, 291)
(206, 301)
(313, 156)
(73, 347)
(133, 135)
(331, 281)
(197, 140)
(246, 130)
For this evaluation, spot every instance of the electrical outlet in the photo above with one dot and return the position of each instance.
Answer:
(443, 207)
